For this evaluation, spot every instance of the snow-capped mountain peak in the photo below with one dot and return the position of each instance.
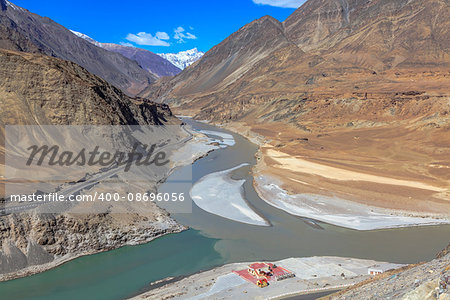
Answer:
(183, 59)
(86, 37)
(147, 60)
(5, 3)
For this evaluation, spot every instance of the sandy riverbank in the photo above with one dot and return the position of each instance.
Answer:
(362, 192)
(337, 211)
(312, 274)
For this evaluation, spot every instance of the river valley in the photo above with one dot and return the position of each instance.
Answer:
(214, 240)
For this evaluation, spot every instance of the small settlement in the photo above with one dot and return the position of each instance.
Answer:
(261, 273)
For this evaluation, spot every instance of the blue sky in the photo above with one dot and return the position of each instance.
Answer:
(159, 25)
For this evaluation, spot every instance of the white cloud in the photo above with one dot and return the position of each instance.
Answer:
(147, 39)
(126, 44)
(181, 35)
(162, 35)
(281, 3)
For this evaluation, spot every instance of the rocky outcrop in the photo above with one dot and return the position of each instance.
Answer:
(39, 89)
(2, 5)
(21, 30)
(423, 281)
(32, 242)
(444, 252)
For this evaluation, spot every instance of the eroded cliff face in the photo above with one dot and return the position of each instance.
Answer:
(38, 90)
(41, 90)
(30, 242)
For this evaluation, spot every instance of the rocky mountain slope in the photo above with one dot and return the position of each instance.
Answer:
(335, 47)
(423, 281)
(21, 30)
(183, 59)
(38, 90)
(148, 60)
(226, 62)
(357, 85)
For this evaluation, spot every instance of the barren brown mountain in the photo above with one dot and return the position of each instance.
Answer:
(21, 30)
(362, 86)
(38, 90)
(226, 62)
